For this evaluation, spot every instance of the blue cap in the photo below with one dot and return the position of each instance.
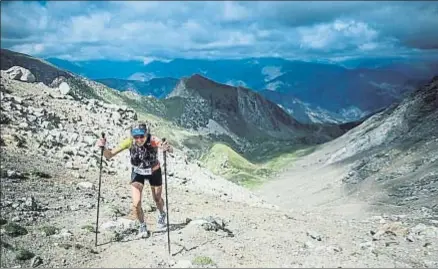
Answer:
(138, 131)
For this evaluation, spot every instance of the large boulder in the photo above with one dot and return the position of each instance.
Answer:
(20, 73)
(57, 82)
(64, 88)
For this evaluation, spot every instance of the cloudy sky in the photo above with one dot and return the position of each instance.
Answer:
(165, 30)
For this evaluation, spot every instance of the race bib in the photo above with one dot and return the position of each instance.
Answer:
(143, 171)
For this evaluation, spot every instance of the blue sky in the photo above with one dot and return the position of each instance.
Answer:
(144, 30)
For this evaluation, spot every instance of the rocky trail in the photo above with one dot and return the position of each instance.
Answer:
(49, 180)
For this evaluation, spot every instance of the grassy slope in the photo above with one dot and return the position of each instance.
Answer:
(223, 160)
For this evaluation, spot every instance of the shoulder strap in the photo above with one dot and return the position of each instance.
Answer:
(148, 140)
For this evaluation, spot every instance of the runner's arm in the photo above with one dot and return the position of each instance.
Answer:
(125, 144)
(109, 153)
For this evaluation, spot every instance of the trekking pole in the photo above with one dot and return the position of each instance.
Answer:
(98, 195)
(167, 200)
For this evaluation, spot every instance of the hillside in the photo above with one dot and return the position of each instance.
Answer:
(388, 163)
(50, 171)
(157, 87)
(239, 112)
(222, 160)
(42, 70)
(398, 150)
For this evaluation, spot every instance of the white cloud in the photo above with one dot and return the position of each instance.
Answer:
(368, 46)
(147, 60)
(30, 49)
(146, 29)
(339, 35)
(233, 11)
(90, 28)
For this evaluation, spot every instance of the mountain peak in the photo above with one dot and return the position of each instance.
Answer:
(240, 110)
(201, 83)
(199, 76)
(198, 81)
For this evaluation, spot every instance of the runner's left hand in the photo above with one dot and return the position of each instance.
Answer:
(165, 146)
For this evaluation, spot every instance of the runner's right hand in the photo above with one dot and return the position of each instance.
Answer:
(101, 143)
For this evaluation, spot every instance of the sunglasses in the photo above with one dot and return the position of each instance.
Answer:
(138, 136)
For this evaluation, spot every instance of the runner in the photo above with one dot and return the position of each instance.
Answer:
(143, 149)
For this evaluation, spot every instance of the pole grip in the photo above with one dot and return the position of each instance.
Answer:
(102, 147)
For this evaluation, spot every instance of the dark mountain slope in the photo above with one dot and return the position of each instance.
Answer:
(42, 70)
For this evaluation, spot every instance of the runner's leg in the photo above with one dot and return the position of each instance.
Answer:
(137, 190)
(156, 195)
(156, 183)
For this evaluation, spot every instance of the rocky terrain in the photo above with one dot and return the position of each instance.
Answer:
(388, 164)
(391, 157)
(48, 140)
(311, 216)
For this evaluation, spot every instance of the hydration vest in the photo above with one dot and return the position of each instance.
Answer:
(144, 156)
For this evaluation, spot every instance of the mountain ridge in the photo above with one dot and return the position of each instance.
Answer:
(242, 112)
(340, 87)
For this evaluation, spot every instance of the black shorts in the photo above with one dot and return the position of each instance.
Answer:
(155, 179)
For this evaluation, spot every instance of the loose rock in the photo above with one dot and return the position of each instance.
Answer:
(85, 186)
(36, 261)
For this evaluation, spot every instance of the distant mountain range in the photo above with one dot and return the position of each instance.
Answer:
(309, 91)
(157, 87)
(251, 72)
